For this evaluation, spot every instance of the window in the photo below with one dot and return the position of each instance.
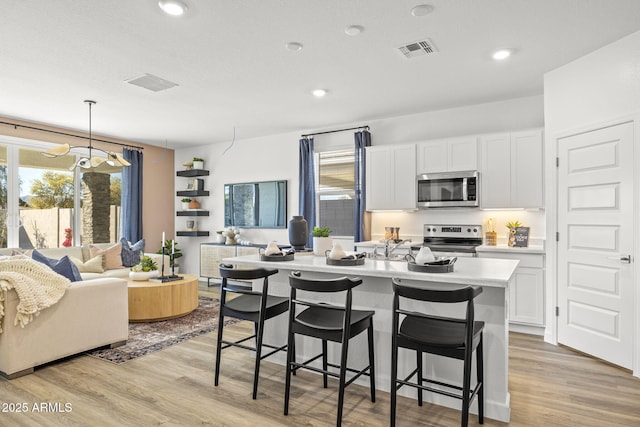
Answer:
(3, 196)
(335, 191)
(40, 197)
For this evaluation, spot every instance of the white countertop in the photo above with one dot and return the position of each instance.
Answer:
(531, 249)
(472, 271)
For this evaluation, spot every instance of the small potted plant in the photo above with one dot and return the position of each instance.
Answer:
(144, 270)
(198, 163)
(321, 240)
(185, 203)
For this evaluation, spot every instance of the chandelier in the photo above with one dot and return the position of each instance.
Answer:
(112, 158)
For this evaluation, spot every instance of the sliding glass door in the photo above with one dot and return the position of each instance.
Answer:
(45, 202)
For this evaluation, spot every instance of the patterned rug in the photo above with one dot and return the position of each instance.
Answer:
(145, 338)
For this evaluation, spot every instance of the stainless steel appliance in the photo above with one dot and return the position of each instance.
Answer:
(448, 189)
(451, 240)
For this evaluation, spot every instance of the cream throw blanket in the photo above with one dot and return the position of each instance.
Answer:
(37, 286)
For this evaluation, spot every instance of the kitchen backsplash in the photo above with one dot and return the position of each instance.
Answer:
(411, 223)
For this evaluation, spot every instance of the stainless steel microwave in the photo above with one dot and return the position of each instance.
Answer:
(448, 189)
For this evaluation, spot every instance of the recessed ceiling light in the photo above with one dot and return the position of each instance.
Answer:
(293, 46)
(422, 10)
(501, 54)
(354, 30)
(319, 93)
(173, 7)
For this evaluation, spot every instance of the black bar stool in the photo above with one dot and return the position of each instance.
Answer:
(248, 305)
(443, 336)
(328, 323)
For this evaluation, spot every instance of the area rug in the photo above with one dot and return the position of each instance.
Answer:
(145, 338)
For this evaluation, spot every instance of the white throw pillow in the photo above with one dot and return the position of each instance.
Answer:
(94, 265)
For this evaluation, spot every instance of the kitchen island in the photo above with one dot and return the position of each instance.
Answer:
(491, 306)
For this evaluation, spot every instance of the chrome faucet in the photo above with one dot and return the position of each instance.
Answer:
(388, 250)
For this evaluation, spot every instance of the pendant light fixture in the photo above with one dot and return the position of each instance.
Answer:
(112, 158)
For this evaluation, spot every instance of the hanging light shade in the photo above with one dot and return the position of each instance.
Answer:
(112, 158)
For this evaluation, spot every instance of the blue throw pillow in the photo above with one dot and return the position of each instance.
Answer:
(62, 266)
(131, 254)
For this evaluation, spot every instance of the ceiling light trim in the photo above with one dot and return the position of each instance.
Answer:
(173, 7)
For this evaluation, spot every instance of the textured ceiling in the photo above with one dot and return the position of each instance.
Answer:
(232, 69)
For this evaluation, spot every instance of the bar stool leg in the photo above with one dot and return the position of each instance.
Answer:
(324, 363)
(480, 378)
(394, 377)
(466, 385)
(290, 357)
(259, 326)
(219, 346)
(372, 368)
(419, 373)
(343, 376)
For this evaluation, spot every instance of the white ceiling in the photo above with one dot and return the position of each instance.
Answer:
(232, 69)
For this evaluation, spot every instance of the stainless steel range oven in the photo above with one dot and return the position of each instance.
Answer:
(451, 240)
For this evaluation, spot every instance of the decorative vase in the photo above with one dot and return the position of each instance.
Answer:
(221, 238)
(511, 237)
(194, 204)
(198, 164)
(321, 245)
(298, 232)
(143, 275)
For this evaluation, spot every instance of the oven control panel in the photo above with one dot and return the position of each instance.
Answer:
(462, 231)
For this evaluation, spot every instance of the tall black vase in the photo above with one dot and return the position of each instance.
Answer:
(298, 232)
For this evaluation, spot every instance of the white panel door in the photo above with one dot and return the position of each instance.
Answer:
(595, 222)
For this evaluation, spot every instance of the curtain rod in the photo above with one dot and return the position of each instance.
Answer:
(337, 130)
(16, 125)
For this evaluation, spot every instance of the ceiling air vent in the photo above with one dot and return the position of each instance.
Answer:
(151, 82)
(419, 48)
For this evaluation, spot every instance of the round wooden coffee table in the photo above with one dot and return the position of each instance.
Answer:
(152, 301)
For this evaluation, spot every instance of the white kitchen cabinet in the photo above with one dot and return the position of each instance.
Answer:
(511, 170)
(447, 155)
(391, 177)
(526, 296)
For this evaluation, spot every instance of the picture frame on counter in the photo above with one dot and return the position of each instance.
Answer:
(521, 237)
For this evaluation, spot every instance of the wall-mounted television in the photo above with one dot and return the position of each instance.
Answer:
(256, 204)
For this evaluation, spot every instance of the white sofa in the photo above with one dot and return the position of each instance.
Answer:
(91, 314)
(82, 253)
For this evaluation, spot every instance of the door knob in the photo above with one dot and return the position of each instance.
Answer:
(623, 258)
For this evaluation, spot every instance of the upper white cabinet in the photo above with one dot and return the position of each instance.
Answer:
(446, 155)
(511, 170)
(391, 177)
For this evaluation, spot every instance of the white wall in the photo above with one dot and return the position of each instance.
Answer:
(601, 88)
(276, 157)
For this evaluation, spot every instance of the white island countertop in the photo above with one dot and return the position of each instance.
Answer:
(472, 271)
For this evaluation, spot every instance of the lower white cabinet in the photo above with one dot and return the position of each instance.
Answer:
(526, 296)
(212, 254)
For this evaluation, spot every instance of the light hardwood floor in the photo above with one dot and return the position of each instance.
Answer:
(550, 386)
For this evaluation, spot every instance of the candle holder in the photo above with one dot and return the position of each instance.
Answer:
(170, 278)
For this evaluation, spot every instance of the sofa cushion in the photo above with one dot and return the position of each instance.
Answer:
(62, 266)
(93, 265)
(131, 253)
(27, 252)
(111, 256)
